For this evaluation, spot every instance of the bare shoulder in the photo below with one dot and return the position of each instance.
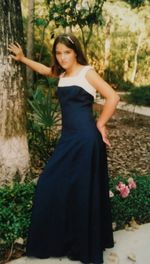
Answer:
(91, 74)
(99, 83)
(95, 79)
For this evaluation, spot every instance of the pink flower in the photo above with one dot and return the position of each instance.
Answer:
(124, 192)
(120, 186)
(131, 183)
(123, 189)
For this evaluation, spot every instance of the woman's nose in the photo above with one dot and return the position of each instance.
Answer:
(63, 55)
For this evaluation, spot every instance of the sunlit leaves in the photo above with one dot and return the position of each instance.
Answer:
(136, 3)
(75, 12)
(40, 22)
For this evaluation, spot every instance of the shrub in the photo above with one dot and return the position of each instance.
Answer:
(136, 204)
(139, 96)
(15, 211)
(43, 124)
(124, 86)
(116, 80)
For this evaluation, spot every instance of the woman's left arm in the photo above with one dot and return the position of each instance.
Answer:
(112, 99)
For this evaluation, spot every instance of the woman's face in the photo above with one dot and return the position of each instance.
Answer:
(65, 56)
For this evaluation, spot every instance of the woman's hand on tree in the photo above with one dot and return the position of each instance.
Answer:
(16, 49)
(104, 132)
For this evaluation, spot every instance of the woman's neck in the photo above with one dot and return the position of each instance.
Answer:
(73, 70)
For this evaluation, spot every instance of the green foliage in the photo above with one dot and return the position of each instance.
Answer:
(124, 38)
(117, 79)
(136, 205)
(86, 17)
(112, 77)
(41, 144)
(75, 13)
(45, 109)
(42, 53)
(135, 3)
(40, 22)
(68, 13)
(125, 86)
(43, 121)
(15, 211)
(139, 96)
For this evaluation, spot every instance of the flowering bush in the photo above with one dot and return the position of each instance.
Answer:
(130, 198)
(131, 183)
(124, 189)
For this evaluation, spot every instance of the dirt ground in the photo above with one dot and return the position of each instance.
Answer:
(129, 135)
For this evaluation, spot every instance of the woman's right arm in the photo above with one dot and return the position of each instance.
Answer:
(35, 66)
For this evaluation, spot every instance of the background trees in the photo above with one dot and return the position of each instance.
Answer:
(129, 42)
(114, 34)
(77, 15)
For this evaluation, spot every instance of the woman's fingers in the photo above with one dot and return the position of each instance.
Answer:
(13, 57)
(107, 142)
(17, 51)
(14, 47)
(18, 44)
(104, 133)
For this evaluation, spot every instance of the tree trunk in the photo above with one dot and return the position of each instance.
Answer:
(132, 78)
(107, 44)
(106, 52)
(14, 155)
(30, 41)
(125, 67)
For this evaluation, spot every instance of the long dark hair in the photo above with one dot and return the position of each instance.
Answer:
(70, 41)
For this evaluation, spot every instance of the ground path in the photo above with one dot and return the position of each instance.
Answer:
(128, 245)
(142, 110)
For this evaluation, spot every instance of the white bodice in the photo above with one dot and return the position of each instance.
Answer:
(79, 80)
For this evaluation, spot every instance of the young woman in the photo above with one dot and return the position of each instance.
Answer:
(71, 210)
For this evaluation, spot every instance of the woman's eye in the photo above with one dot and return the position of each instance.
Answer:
(61, 53)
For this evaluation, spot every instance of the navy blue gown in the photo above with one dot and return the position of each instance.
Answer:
(71, 213)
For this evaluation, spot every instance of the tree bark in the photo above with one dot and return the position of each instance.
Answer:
(30, 41)
(14, 155)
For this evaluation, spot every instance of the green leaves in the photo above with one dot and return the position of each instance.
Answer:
(45, 110)
(136, 205)
(44, 122)
(40, 22)
(15, 210)
(135, 3)
(74, 12)
(139, 96)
